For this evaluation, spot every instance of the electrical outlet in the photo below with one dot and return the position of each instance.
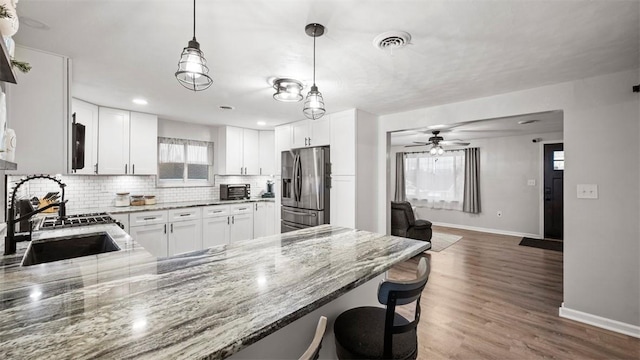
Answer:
(531, 182)
(499, 213)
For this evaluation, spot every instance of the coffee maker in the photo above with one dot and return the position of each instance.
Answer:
(269, 193)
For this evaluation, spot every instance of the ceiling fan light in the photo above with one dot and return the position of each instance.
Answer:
(433, 151)
(287, 90)
(314, 104)
(440, 150)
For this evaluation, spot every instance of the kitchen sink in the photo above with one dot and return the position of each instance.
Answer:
(68, 247)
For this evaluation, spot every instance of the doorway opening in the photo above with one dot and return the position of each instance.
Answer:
(552, 196)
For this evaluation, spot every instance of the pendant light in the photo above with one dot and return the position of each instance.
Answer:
(192, 68)
(314, 104)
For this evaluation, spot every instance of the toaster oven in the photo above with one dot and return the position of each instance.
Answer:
(235, 191)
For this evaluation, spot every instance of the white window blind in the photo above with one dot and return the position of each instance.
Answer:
(435, 181)
(186, 161)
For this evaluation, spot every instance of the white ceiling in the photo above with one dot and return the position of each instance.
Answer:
(459, 50)
(538, 123)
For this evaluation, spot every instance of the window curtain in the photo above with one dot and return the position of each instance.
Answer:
(198, 152)
(170, 150)
(471, 181)
(435, 181)
(400, 190)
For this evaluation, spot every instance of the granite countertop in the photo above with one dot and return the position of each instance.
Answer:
(167, 206)
(210, 303)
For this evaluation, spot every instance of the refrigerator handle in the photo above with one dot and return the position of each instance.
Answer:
(295, 177)
(299, 179)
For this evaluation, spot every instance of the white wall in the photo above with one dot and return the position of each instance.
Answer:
(602, 237)
(506, 163)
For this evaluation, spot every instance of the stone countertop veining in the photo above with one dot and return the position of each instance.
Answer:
(210, 303)
(167, 206)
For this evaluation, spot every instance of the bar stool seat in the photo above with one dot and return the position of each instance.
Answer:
(353, 343)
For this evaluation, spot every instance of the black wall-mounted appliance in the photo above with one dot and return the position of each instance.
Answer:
(77, 139)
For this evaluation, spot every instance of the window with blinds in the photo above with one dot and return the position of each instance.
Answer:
(184, 161)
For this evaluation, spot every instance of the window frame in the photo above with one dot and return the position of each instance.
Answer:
(185, 181)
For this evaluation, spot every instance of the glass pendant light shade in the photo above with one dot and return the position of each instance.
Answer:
(192, 68)
(287, 90)
(433, 151)
(440, 150)
(314, 104)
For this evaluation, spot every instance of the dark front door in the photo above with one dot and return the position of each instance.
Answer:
(553, 178)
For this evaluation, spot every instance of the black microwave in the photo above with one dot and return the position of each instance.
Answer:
(235, 191)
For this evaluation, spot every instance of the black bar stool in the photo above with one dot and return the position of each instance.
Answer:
(379, 333)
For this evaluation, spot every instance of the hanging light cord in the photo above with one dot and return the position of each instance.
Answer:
(194, 19)
(314, 55)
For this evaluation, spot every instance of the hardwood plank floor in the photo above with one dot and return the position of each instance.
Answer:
(489, 298)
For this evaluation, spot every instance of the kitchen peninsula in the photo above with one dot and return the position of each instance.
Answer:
(211, 303)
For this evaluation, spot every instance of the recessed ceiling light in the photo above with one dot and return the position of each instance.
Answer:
(524, 122)
(140, 101)
(226, 107)
(261, 123)
(33, 23)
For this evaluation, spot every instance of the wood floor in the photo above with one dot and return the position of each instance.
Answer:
(488, 298)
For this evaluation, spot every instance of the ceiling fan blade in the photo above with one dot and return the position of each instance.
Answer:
(454, 142)
(417, 144)
(422, 143)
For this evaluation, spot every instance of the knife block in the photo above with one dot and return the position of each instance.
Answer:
(42, 203)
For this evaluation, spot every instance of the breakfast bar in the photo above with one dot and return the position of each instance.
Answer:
(211, 303)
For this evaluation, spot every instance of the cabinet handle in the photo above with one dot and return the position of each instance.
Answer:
(228, 220)
(133, 169)
(172, 228)
(165, 228)
(217, 211)
(256, 206)
(125, 168)
(95, 168)
(305, 141)
(187, 214)
(309, 141)
(260, 171)
(149, 218)
(233, 219)
(239, 209)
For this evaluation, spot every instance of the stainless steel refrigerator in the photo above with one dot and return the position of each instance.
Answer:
(305, 188)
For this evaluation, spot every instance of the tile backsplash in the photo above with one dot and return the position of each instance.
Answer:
(95, 191)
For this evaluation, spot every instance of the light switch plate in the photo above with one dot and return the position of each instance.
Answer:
(587, 191)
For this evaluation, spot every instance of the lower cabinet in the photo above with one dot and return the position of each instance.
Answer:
(263, 219)
(241, 222)
(152, 237)
(185, 230)
(215, 231)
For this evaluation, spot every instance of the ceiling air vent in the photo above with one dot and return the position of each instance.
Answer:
(392, 40)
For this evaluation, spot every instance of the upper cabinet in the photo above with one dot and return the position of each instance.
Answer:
(267, 147)
(84, 137)
(306, 133)
(239, 151)
(38, 109)
(127, 142)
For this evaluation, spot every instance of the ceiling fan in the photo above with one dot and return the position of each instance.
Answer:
(438, 141)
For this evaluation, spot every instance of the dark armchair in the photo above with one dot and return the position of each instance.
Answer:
(404, 223)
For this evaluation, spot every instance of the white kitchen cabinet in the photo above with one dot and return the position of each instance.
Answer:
(266, 152)
(263, 219)
(306, 133)
(38, 110)
(343, 142)
(282, 136)
(185, 230)
(343, 201)
(143, 144)
(113, 141)
(238, 151)
(148, 218)
(86, 114)
(215, 231)
(127, 142)
(241, 222)
(152, 237)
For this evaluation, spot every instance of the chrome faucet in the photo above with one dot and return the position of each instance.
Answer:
(12, 238)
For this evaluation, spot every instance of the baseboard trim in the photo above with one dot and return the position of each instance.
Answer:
(598, 321)
(487, 230)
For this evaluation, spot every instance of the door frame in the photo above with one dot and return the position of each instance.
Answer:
(541, 145)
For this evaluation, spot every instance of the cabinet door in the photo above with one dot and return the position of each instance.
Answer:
(251, 152)
(282, 143)
(87, 115)
(113, 142)
(241, 227)
(260, 219)
(143, 150)
(38, 111)
(185, 236)
(233, 151)
(215, 231)
(343, 201)
(299, 134)
(343, 142)
(320, 131)
(267, 153)
(152, 237)
(270, 215)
